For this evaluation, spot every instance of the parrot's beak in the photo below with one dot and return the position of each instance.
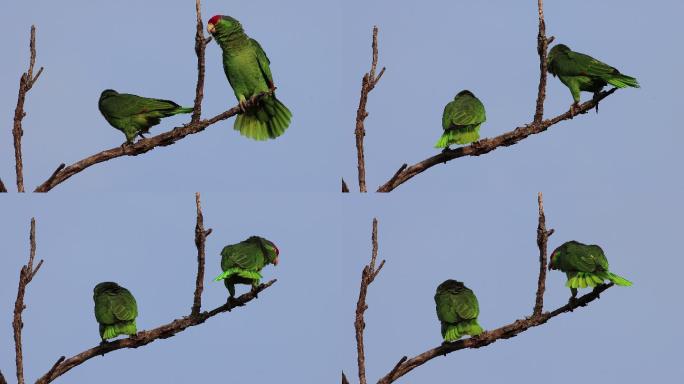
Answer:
(275, 261)
(210, 28)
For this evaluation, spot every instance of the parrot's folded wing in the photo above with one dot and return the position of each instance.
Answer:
(240, 272)
(250, 275)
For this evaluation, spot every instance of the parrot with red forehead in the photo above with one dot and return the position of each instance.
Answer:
(585, 266)
(242, 262)
(249, 73)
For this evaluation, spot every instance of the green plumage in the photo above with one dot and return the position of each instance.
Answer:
(580, 72)
(585, 266)
(457, 310)
(115, 310)
(249, 73)
(461, 120)
(134, 115)
(242, 262)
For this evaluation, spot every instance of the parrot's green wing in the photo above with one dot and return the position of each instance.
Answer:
(111, 308)
(580, 64)
(464, 110)
(125, 105)
(264, 63)
(454, 307)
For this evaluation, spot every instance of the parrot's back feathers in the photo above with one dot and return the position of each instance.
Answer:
(457, 310)
(115, 310)
(461, 120)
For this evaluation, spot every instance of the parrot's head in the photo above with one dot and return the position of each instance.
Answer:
(552, 259)
(107, 93)
(451, 285)
(272, 252)
(555, 51)
(221, 26)
(105, 286)
(464, 92)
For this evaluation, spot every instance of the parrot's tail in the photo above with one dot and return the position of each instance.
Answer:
(453, 332)
(183, 110)
(251, 275)
(123, 328)
(623, 81)
(462, 135)
(586, 279)
(267, 121)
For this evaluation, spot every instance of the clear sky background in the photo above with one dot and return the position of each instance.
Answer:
(612, 179)
(146, 243)
(147, 48)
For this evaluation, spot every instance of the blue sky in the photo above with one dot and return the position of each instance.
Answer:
(148, 49)
(146, 243)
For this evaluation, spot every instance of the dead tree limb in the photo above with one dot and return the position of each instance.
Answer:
(26, 82)
(368, 82)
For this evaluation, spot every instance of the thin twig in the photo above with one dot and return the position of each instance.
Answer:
(484, 146)
(200, 45)
(367, 276)
(145, 337)
(345, 188)
(141, 146)
(542, 47)
(542, 241)
(26, 274)
(344, 379)
(25, 84)
(367, 84)
(3, 381)
(3, 189)
(489, 337)
(200, 239)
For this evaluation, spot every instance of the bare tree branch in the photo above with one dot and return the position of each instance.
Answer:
(25, 84)
(542, 47)
(542, 241)
(367, 84)
(345, 188)
(26, 274)
(200, 239)
(367, 276)
(200, 46)
(484, 146)
(145, 337)
(141, 146)
(488, 337)
(3, 381)
(3, 189)
(344, 379)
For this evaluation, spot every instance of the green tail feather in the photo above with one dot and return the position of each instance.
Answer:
(112, 331)
(463, 135)
(585, 279)
(240, 272)
(453, 332)
(183, 110)
(623, 81)
(268, 121)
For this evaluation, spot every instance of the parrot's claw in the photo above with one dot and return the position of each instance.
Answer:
(243, 106)
(573, 109)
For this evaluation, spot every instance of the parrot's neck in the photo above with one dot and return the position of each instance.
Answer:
(232, 42)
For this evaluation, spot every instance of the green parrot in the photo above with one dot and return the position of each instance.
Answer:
(580, 72)
(134, 115)
(585, 265)
(248, 71)
(457, 310)
(242, 262)
(115, 310)
(461, 120)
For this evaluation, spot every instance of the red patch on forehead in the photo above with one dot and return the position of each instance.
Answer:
(215, 19)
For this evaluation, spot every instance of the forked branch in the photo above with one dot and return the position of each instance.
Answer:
(25, 84)
(368, 82)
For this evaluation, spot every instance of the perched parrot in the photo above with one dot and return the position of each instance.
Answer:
(242, 262)
(134, 115)
(580, 72)
(115, 310)
(461, 120)
(248, 71)
(457, 310)
(585, 266)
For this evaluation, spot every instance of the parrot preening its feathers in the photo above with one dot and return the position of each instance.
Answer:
(580, 72)
(249, 73)
(242, 262)
(585, 266)
(457, 310)
(115, 310)
(134, 115)
(461, 120)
